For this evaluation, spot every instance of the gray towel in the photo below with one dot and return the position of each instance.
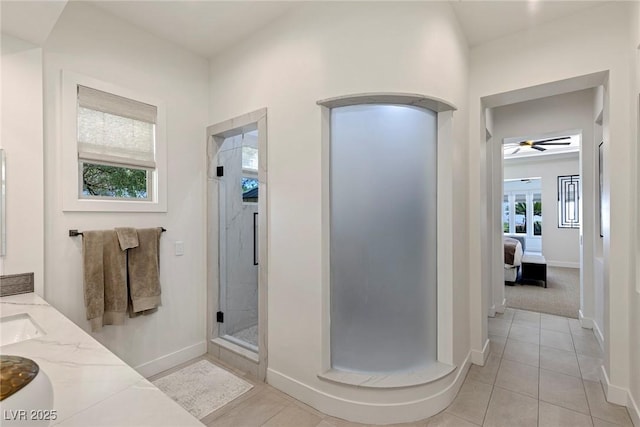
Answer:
(128, 237)
(115, 280)
(144, 271)
(93, 272)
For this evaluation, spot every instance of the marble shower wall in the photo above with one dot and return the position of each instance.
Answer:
(240, 303)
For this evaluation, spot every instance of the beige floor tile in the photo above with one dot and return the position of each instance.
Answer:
(293, 416)
(601, 423)
(527, 316)
(487, 373)
(557, 340)
(518, 377)
(444, 419)
(528, 323)
(524, 334)
(563, 390)
(471, 401)
(499, 327)
(253, 412)
(577, 329)
(497, 344)
(587, 345)
(602, 409)
(590, 367)
(554, 416)
(554, 323)
(509, 409)
(522, 352)
(337, 422)
(561, 361)
(507, 315)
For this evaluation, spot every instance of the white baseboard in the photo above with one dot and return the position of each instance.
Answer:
(492, 311)
(634, 410)
(371, 412)
(585, 322)
(566, 264)
(500, 308)
(598, 333)
(589, 323)
(620, 396)
(172, 359)
(613, 393)
(480, 357)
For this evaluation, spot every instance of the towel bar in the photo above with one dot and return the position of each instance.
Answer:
(74, 233)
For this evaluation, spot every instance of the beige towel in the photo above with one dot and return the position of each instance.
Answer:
(93, 271)
(115, 280)
(128, 237)
(144, 271)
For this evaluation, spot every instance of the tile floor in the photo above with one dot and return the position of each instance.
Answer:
(542, 371)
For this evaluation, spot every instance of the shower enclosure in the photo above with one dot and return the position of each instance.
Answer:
(237, 255)
(238, 194)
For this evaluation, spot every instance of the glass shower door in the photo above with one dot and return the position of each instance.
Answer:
(238, 212)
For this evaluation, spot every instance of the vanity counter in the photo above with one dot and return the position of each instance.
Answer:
(91, 385)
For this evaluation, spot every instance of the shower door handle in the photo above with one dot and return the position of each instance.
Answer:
(255, 238)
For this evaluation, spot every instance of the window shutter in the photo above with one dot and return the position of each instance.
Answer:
(115, 130)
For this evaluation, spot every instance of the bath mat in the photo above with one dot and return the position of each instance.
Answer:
(202, 387)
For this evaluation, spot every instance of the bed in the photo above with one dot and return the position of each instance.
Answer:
(513, 251)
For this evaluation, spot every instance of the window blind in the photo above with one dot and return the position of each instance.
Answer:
(115, 130)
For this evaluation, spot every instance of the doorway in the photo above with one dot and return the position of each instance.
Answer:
(587, 121)
(237, 242)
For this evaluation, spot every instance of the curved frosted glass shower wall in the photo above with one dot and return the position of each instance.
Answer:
(383, 238)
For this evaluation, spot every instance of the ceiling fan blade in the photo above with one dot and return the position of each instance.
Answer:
(551, 143)
(540, 141)
(535, 147)
(515, 151)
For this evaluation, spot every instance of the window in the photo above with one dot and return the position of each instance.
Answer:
(116, 145)
(249, 170)
(505, 214)
(569, 201)
(522, 212)
(113, 148)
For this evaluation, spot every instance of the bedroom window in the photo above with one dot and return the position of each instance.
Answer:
(522, 213)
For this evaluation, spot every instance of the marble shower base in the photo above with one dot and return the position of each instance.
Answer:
(248, 335)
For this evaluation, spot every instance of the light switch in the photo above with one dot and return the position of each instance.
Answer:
(179, 248)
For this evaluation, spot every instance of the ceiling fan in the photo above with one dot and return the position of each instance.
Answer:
(535, 144)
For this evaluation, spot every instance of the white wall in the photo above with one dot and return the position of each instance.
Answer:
(591, 41)
(21, 138)
(326, 50)
(634, 294)
(93, 43)
(571, 111)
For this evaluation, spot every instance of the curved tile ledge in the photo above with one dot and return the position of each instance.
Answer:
(395, 380)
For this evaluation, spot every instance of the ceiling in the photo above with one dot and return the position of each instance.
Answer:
(207, 27)
(483, 21)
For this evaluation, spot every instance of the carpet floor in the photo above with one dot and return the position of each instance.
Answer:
(561, 296)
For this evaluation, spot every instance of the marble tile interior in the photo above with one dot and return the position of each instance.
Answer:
(523, 383)
(238, 273)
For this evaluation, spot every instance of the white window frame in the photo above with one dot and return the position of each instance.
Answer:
(70, 164)
(511, 196)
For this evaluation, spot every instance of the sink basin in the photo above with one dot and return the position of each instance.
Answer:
(19, 327)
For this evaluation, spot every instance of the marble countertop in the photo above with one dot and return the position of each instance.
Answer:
(91, 385)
